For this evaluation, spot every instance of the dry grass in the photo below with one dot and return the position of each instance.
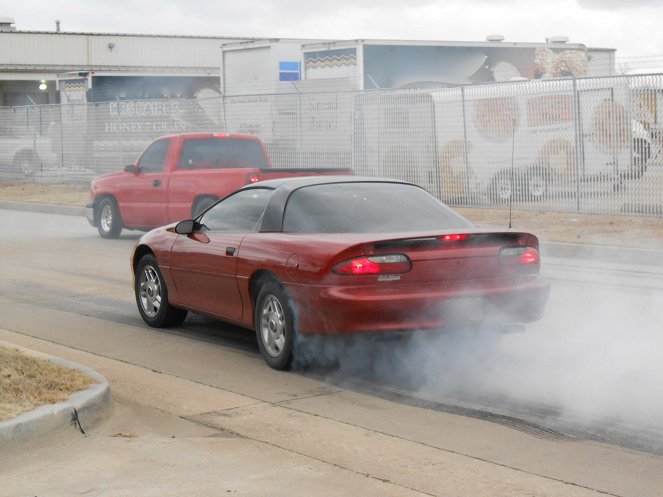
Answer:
(44, 194)
(28, 382)
(622, 231)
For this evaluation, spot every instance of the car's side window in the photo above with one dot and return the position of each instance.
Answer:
(239, 212)
(153, 159)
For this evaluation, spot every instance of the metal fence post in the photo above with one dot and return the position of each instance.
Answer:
(465, 145)
(578, 138)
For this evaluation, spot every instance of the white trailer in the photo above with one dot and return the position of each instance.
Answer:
(522, 139)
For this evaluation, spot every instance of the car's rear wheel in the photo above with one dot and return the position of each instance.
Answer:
(109, 221)
(152, 295)
(274, 324)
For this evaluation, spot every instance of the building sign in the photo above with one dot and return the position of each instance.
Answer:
(549, 110)
(290, 71)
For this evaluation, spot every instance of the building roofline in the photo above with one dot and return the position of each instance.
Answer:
(113, 70)
(460, 44)
(260, 42)
(134, 35)
(313, 44)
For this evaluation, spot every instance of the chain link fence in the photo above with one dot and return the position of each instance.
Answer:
(589, 145)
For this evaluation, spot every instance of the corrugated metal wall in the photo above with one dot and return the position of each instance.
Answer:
(135, 51)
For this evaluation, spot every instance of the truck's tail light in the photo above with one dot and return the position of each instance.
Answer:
(520, 255)
(252, 178)
(375, 264)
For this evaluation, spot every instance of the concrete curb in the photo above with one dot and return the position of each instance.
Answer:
(81, 411)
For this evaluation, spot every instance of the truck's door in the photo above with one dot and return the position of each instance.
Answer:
(143, 205)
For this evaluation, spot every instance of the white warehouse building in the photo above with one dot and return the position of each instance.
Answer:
(47, 67)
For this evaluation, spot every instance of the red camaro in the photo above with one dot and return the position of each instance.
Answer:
(336, 255)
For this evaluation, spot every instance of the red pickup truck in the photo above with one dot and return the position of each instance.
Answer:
(178, 176)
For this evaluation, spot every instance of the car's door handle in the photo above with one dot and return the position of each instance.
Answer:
(156, 182)
(230, 250)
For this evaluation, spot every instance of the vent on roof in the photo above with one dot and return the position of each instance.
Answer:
(6, 24)
(494, 38)
(557, 39)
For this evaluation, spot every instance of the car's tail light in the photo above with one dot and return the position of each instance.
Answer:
(252, 178)
(375, 264)
(456, 237)
(519, 255)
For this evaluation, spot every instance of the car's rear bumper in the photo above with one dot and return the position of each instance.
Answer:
(344, 310)
(89, 214)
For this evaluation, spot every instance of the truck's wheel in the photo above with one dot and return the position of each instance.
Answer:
(109, 222)
(201, 204)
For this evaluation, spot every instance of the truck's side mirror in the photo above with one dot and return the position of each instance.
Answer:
(131, 168)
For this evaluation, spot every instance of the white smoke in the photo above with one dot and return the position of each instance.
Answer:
(593, 361)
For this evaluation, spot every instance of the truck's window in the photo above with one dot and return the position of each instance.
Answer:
(214, 153)
(154, 157)
(240, 212)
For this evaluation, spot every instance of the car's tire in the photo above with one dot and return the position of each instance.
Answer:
(25, 163)
(536, 183)
(275, 326)
(502, 187)
(109, 221)
(152, 295)
(201, 204)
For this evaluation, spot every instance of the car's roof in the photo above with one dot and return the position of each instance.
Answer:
(292, 183)
(273, 217)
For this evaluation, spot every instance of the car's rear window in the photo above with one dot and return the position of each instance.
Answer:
(213, 153)
(370, 207)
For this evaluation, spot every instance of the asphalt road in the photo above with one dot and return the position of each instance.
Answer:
(571, 407)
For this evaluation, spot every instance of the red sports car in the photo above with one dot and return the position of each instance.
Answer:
(336, 255)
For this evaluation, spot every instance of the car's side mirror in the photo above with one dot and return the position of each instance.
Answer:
(185, 227)
(131, 168)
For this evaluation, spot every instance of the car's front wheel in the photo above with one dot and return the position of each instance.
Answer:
(274, 324)
(152, 295)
